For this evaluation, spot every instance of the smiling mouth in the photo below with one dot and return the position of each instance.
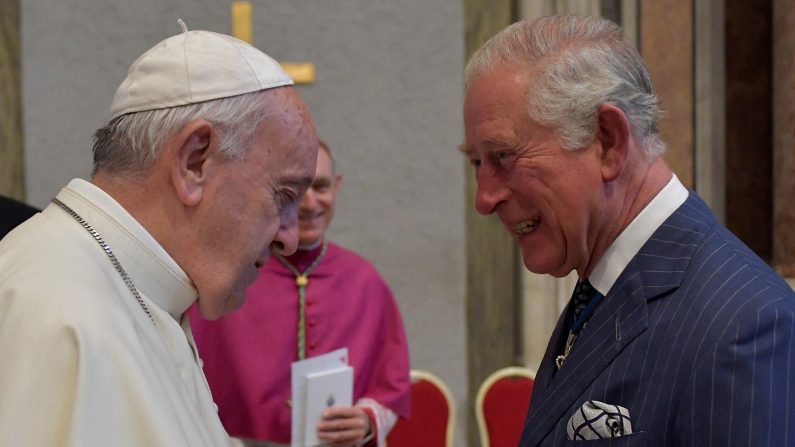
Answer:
(526, 227)
(309, 218)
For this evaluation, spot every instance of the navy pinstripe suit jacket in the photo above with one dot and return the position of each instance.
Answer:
(696, 339)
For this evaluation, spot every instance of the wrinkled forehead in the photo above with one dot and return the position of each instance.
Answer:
(286, 121)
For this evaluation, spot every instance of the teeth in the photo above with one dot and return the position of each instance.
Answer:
(525, 227)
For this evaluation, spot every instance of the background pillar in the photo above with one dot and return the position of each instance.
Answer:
(749, 123)
(784, 137)
(12, 170)
(666, 45)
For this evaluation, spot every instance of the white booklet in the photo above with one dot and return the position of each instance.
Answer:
(325, 390)
(301, 370)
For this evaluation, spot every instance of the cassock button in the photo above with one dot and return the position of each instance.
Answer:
(309, 303)
(312, 323)
(313, 346)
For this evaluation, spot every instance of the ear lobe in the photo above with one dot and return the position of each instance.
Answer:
(190, 168)
(614, 135)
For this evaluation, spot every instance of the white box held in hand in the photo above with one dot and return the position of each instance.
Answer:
(301, 370)
(325, 390)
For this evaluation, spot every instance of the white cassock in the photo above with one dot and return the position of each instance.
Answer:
(81, 363)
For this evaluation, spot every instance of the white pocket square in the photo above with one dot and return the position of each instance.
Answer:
(598, 420)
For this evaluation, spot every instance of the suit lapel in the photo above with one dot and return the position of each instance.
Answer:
(656, 270)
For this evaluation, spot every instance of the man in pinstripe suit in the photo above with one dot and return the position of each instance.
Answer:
(689, 340)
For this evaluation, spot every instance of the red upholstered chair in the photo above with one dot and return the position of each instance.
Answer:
(501, 406)
(432, 415)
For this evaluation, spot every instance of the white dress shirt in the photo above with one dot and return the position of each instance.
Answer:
(629, 242)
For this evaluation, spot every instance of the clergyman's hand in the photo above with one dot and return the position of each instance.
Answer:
(344, 426)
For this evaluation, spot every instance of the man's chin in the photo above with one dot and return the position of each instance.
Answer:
(214, 309)
(541, 266)
(309, 243)
(208, 311)
(235, 302)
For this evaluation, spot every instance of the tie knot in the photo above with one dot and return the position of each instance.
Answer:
(583, 294)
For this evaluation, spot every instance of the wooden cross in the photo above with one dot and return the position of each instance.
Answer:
(301, 72)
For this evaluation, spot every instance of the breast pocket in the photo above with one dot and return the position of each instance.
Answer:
(634, 440)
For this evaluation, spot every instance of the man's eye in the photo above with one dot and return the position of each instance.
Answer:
(285, 198)
(503, 157)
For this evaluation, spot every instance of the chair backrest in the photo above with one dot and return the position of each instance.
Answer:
(501, 406)
(432, 415)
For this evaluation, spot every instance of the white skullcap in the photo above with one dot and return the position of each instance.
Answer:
(195, 66)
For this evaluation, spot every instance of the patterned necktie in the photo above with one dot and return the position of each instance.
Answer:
(583, 303)
(582, 296)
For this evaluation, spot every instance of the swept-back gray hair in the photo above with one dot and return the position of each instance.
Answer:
(576, 64)
(130, 143)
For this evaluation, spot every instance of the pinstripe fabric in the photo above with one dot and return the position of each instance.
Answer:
(695, 339)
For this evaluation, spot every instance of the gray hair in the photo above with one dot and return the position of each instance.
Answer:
(130, 143)
(577, 63)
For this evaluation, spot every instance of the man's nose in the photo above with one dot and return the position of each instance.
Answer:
(308, 201)
(286, 241)
(491, 190)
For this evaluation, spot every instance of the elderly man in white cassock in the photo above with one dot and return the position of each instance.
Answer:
(197, 179)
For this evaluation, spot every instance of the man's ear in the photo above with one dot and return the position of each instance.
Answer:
(191, 164)
(614, 135)
(337, 182)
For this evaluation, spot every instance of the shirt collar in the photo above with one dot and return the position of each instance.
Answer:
(151, 269)
(629, 242)
(303, 258)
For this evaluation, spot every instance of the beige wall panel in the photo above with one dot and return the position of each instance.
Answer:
(710, 105)
(666, 44)
(12, 179)
(529, 9)
(629, 20)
